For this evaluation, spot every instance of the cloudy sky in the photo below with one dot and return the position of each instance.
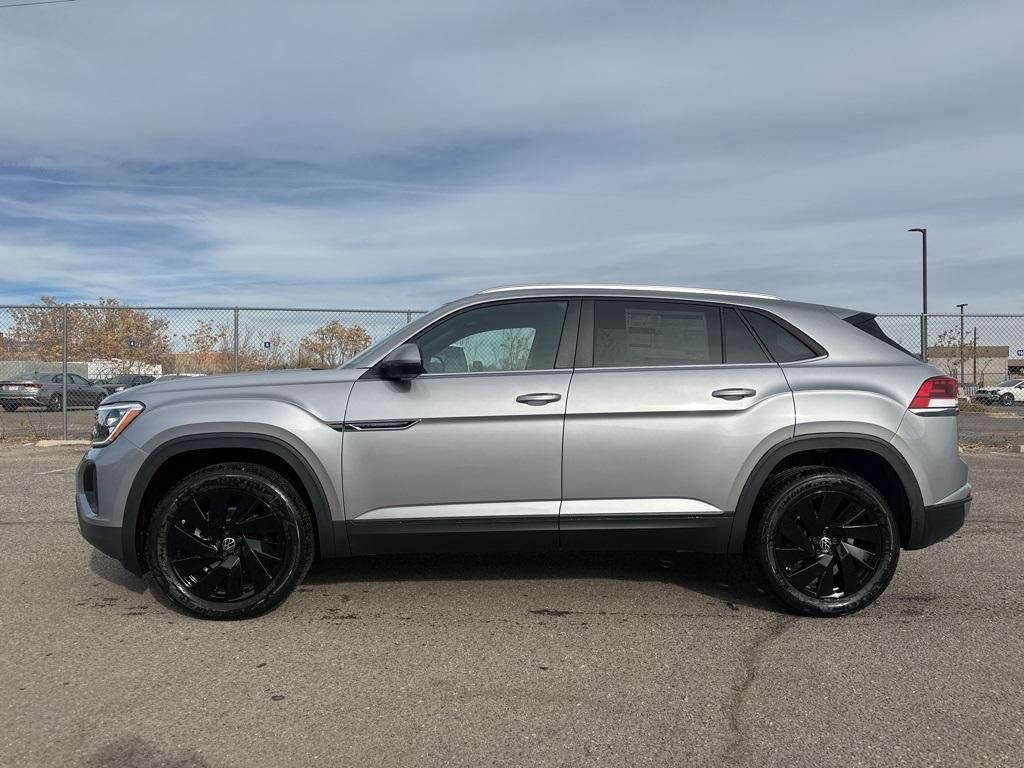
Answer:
(396, 154)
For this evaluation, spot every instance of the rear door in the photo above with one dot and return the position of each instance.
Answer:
(669, 402)
(467, 456)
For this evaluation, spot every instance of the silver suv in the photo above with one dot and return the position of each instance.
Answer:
(543, 418)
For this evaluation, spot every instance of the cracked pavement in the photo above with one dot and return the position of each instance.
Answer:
(540, 660)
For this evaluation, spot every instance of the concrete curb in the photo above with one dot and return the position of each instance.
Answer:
(57, 443)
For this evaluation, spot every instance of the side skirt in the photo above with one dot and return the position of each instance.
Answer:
(685, 533)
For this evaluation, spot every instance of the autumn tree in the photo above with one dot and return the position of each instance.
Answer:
(125, 339)
(332, 344)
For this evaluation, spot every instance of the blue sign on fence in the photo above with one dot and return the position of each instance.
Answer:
(131, 343)
(266, 345)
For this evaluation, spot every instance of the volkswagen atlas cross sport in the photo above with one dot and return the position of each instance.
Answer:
(570, 417)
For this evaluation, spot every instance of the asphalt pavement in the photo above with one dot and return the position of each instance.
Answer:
(540, 660)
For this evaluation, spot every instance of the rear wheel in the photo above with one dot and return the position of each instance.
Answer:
(55, 403)
(827, 543)
(1006, 399)
(230, 541)
(9, 406)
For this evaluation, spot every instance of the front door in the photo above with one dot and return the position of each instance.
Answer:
(669, 402)
(468, 455)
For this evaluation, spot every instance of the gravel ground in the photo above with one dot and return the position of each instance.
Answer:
(513, 660)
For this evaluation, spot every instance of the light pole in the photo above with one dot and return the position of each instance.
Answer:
(962, 342)
(924, 290)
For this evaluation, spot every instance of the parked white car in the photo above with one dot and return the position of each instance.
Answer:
(1007, 393)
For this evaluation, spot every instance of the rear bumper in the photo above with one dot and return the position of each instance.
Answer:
(22, 399)
(940, 522)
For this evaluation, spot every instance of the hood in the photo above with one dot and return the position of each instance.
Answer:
(186, 385)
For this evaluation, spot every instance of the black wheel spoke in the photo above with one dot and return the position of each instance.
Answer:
(217, 508)
(233, 588)
(186, 566)
(869, 533)
(269, 523)
(263, 548)
(831, 504)
(255, 569)
(860, 555)
(813, 526)
(826, 582)
(791, 531)
(208, 583)
(792, 555)
(802, 578)
(187, 542)
(851, 579)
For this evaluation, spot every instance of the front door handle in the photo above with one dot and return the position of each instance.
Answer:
(539, 398)
(736, 393)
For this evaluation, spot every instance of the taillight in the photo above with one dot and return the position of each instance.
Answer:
(937, 392)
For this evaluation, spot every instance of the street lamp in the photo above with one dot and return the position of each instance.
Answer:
(924, 290)
(962, 342)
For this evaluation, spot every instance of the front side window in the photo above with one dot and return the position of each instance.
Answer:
(655, 333)
(520, 336)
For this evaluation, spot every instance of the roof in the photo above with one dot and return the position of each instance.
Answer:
(625, 287)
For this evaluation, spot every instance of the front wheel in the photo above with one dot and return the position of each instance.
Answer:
(827, 543)
(1006, 399)
(55, 403)
(230, 541)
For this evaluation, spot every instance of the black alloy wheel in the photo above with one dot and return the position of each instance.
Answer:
(230, 541)
(1007, 399)
(827, 543)
(55, 403)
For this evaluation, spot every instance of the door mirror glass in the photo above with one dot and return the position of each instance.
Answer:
(402, 363)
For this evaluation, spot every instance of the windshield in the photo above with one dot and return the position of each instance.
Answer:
(366, 358)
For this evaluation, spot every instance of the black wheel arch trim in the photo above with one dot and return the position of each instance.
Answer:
(886, 451)
(327, 531)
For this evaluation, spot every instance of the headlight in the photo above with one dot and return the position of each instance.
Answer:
(111, 421)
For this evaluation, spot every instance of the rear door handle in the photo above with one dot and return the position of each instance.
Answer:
(539, 398)
(736, 393)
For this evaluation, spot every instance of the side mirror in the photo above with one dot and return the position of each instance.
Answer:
(402, 363)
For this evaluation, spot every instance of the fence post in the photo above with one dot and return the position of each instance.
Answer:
(408, 317)
(236, 339)
(64, 369)
(924, 337)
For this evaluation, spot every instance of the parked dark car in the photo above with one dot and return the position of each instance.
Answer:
(125, 381)
(47, 389)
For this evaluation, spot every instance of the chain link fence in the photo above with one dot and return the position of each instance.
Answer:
(58, 360)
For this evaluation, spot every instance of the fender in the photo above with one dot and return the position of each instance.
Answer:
(826, 441)
(326, 528)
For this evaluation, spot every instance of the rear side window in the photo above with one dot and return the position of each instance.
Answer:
(740, 344)
(654, 333)
(783, 345)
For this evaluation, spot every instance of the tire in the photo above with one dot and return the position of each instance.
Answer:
(230, 541)
(55, 403)
(1007, 399)
(802, 554)
(10, 407)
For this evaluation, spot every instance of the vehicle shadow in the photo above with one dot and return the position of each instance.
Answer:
(726, 579)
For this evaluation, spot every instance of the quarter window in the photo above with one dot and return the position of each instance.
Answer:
(520, 336)
(783, 345)
(654, 333)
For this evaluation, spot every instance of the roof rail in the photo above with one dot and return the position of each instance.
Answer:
(623, 287)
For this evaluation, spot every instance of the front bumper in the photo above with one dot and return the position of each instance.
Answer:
(22, 398)
(102, 485)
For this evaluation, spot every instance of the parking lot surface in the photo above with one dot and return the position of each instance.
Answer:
(648, 659)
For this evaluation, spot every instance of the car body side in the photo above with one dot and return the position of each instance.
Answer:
(852, 398)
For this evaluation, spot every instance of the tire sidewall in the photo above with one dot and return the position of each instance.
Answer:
(806, 486)
(298, 540)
